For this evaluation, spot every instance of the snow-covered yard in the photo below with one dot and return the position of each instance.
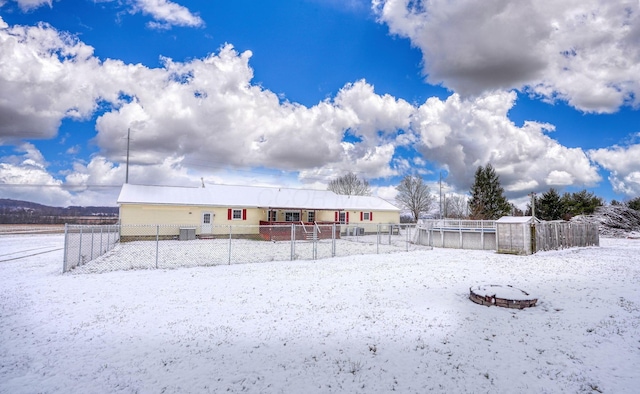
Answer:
(371, 323)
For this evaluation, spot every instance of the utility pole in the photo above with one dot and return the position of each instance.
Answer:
(440, 194)
(128, 141)
(533, 203)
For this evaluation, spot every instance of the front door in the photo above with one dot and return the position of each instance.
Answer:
(207, 223)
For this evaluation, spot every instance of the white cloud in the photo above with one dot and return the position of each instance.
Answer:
(463, 134)
(167, 13)
(24, 176)
(164, 12)
(581, 51)
(559, 178)
(217, 115)
(205, 117)
(624, 166)
(28, 5)
(46, 76)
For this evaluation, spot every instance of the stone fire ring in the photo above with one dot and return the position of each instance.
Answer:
(504, 296)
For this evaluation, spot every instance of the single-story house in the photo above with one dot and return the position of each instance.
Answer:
(213, 208)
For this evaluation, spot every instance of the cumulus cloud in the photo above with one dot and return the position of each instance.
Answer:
(581, 51)
(217, 116)
(167, 13)
(623, 163)
(195, 118)
(28, 5)
(463, 134)
(46, 76)
(22, 176)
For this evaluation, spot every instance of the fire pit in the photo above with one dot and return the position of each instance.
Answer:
(504, 296)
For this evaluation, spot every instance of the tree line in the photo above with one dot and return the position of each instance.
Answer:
(25, 212)
(487, 200)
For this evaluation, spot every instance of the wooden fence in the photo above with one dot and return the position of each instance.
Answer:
(562, 235)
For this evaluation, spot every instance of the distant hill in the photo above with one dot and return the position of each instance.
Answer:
(25, 212)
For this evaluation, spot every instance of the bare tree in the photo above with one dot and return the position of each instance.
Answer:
(350, 184)
(414, 195)
(455, 206)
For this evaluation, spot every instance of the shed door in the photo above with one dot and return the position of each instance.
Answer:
(207, 222)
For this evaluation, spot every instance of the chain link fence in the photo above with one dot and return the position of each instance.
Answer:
(171, 246)
(83, 243)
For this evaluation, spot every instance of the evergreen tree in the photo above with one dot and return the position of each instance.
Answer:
(414, 195)
(550, 206)
(634, 204)
(487, 196)
(580, 203)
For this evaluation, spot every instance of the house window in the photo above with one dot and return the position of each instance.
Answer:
(311, 216)
(342, 218)
(365, 216)
(236, 214)
(206, 218)
(292, 216)
(273, 215)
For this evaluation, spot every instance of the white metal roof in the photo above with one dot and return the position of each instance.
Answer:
(249, 197)
(516, 219)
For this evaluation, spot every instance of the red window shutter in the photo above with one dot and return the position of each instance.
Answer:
(361, 215)
(229, 214)
(337, 217)
(244, 214)
(371, 216)
(347, 218)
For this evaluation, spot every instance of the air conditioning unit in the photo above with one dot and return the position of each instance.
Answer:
(187, 233)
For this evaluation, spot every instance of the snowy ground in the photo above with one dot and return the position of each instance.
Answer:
(209, 252)
(372, 323)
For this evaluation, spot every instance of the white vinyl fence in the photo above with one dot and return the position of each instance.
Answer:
(457, 233)
(163, 246)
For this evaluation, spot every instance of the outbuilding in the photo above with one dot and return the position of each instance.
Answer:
(516, 234)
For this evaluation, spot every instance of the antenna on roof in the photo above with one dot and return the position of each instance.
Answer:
(202, 180)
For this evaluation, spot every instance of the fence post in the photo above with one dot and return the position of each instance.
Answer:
(333, 240)
(230, 230)
(80, 249)
(315, 242)
(157, 243)
(378, 239)
(407, 237)
(92, 228)
(66, 243)
(293, 241)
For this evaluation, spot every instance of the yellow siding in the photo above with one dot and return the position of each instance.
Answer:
(172, 217)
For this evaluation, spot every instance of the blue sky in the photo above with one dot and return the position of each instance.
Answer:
(296, 93)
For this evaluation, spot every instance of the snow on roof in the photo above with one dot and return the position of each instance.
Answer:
(249, 196)
(516, 219)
